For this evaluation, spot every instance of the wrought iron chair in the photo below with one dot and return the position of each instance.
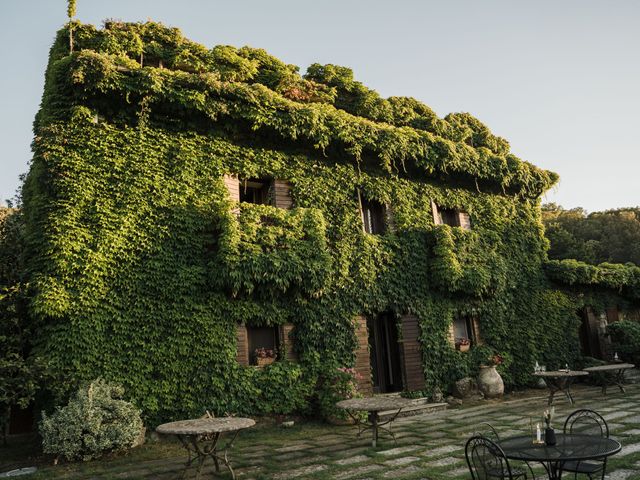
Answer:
(486, 460)
(487, 430)
(586, 422)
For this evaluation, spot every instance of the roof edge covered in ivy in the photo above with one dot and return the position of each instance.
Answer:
(623, 278)
(149, 68)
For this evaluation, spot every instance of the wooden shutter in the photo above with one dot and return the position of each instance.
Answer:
(233, 187)
(390, 217)
(475, 329)
(613, 315)
(363, 360)
(282, 194)
(451, 336)
(464, 221)
(242, 355)
(436, 215)
(411, 353)
(286, 342)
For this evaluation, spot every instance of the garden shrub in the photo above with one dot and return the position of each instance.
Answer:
(336, 384)
(283, 389)
(625, 336)
(94, 422)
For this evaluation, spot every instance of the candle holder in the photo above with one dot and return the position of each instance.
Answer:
(536, 434)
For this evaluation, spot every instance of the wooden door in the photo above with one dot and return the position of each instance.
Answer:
(411, 353)
(386, 367)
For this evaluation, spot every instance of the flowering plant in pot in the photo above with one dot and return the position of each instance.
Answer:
(264, 356)
(495, 360)
(463, 344)
(489, 380)
(549, 432)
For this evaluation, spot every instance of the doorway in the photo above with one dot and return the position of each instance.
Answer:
(384, 353)
(588, 333)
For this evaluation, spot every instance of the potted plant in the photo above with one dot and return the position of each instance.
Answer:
(489, 380)
(264, 356)
(549, 432)
(463, 344)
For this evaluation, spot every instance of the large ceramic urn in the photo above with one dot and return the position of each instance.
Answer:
(490, 382)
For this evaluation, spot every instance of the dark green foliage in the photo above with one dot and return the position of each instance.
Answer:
(283, 389)
(625, 336)
(21, 374)
(621, 278)
(141, 266)
(335, 383)
(612, 236)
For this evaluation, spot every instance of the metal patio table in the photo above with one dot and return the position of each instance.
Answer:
(560, 381)
(201, 436)
(612, 374)
(568, 448)
(373, 406)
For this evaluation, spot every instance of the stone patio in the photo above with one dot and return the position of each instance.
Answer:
(428, 446)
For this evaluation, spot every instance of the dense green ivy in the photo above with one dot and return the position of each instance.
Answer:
(272, 250)
(141, 267)
(623, 278)
(112, 64)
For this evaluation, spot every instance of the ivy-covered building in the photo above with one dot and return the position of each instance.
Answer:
(190, 209)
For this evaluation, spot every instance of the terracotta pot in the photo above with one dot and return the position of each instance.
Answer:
(263, 362)
(464, 348)
(490, 382)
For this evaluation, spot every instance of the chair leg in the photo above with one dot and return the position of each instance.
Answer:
(604, 468)
(533, 475)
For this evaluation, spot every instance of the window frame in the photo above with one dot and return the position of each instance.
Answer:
(451, 216)
(374, 216)
(252, 346)
(470, 324)
(265, 187)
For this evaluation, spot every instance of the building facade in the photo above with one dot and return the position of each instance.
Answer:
(193, 211)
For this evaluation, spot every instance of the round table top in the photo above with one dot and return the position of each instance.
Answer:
(374, 404)
(567, 447)
(610, 366)
(203, 426)
(562, 373)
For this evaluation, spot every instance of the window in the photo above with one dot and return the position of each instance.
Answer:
(263, 339)
(450, 216)
(254, 190)
(463, 329)
(373, 216)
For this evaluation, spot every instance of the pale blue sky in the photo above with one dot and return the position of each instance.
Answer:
(559, 79)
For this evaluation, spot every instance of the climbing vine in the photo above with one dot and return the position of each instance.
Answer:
(141, 266)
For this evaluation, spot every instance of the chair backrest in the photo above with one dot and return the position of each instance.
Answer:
(486, 460)
(485, 429)
(586, 422)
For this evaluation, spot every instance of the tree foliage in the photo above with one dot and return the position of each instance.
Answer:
(21, 374)
(612, 236)
(71, 8)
